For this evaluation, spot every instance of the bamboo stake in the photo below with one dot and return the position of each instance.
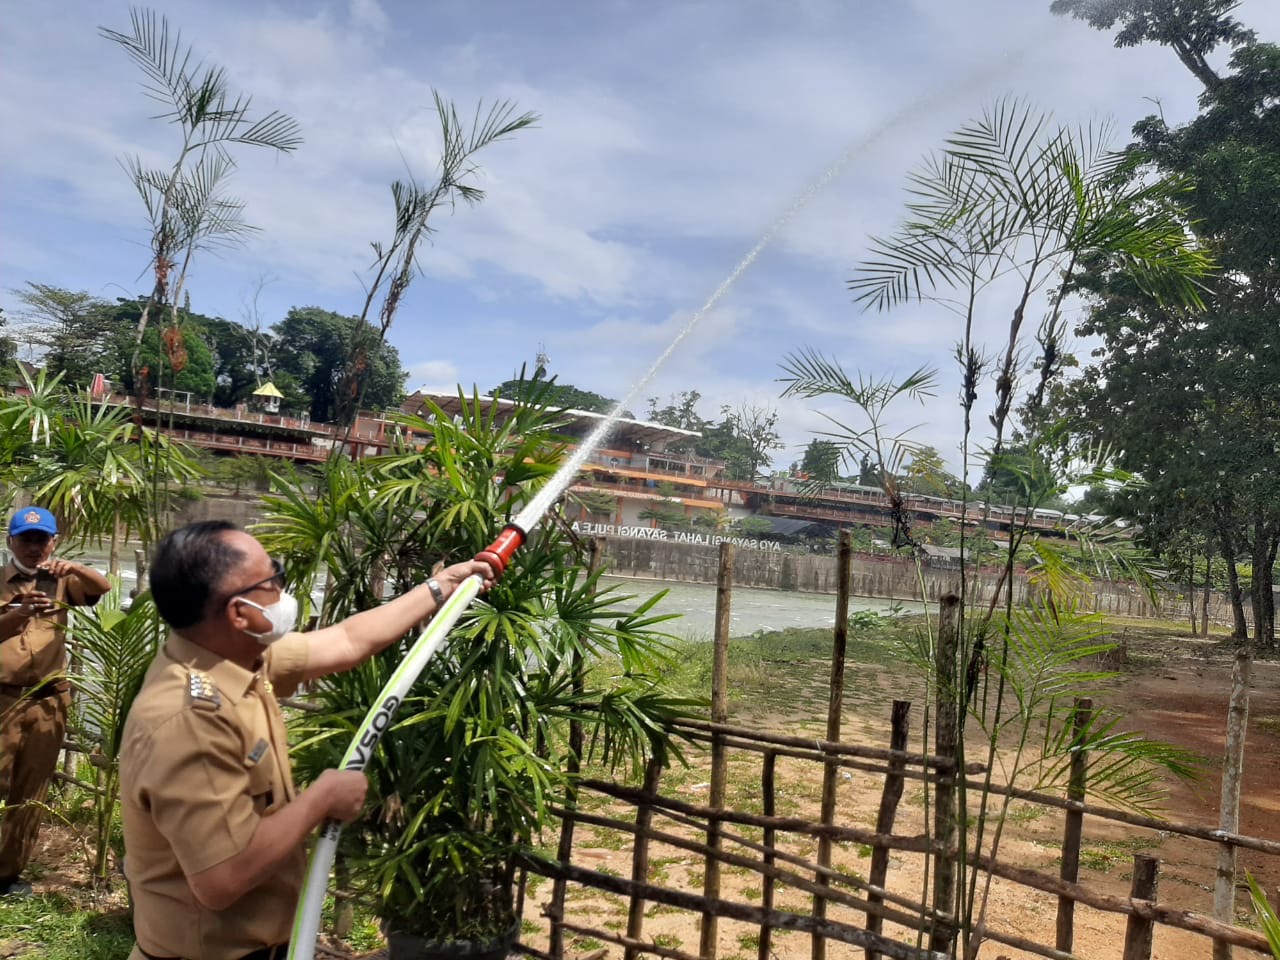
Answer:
(889, 800)
(1224, 887)
(719, 761)
(770, 838)
(1073, 827)
(835, 704)
(946, 745)
(1139, 931)
(639, 858)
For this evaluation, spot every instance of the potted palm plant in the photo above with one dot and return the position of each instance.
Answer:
(462, 785)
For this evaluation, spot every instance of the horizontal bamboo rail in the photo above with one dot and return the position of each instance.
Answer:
(1144, 909)
(770, 851)
(915, 844)
(914, 921)
(1212, 834)
(640, 946)
(731, 910)
(825, 746)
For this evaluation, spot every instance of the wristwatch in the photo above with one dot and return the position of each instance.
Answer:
(436, 593)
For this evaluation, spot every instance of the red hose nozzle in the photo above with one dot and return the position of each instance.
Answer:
(498, 554)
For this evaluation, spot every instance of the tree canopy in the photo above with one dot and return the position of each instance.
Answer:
(312, 346)
(1186, 399)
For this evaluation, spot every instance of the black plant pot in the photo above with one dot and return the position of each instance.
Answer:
(413, 946)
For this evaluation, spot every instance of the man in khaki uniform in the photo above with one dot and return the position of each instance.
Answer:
(35, 590)
(214, 828)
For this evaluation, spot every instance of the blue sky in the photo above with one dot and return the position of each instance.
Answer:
(672, 134)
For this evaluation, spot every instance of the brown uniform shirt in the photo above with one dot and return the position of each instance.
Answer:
(204, 760)
(39, 651)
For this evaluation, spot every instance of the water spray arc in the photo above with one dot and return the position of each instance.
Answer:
(307, 919)
(306, 924)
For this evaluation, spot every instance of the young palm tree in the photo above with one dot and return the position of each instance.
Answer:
(464, 780)
(114, 648)
(395, 264)
(1012, 206)
(186, 206)
(89, 463)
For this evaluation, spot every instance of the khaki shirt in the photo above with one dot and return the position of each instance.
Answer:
(204, 761)
(39, 652)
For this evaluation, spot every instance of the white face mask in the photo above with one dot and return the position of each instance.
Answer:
(23, 568)
(282, 615)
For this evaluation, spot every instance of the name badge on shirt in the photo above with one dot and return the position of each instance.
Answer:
(257, 752)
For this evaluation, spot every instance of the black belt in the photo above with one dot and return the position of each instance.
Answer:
(278, 952)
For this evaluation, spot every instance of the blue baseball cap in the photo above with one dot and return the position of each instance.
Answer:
(33, 518)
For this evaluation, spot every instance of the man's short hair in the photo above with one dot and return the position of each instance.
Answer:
(189, 568)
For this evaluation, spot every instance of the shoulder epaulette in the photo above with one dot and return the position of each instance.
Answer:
(202, 692)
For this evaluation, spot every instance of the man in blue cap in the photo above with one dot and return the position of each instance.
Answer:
(36, 588)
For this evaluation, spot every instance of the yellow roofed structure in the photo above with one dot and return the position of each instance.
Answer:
(268, 390)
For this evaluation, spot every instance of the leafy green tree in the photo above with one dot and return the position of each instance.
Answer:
(927, 474)
(559, 395)
(1193, 30)
(90, 463)
(173, 357)
(313, 346)
(680, 411)
(72, 327)
(755, 434)
(1020, 476)
(821, 460)
(117, 648)
(1187, 400)
(241, 359)
(8, 346)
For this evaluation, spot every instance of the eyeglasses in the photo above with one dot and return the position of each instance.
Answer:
(275, 580)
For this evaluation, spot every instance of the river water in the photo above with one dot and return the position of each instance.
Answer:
(750, 610)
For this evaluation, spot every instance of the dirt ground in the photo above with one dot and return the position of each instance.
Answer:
(1174, 688)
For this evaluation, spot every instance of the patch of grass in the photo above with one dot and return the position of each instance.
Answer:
(57, 929)
(1102, 857)
(668, 940)
(658, 909)
(528, 928)
(1270, 724)
(749, 941)
(609, 839)
(585, 944)
(1025, 812)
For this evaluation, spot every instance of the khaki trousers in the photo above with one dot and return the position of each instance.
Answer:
(31, 735)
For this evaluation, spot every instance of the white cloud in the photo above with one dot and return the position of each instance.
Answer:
(369, 15)
(433, 376)
(671, 136)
